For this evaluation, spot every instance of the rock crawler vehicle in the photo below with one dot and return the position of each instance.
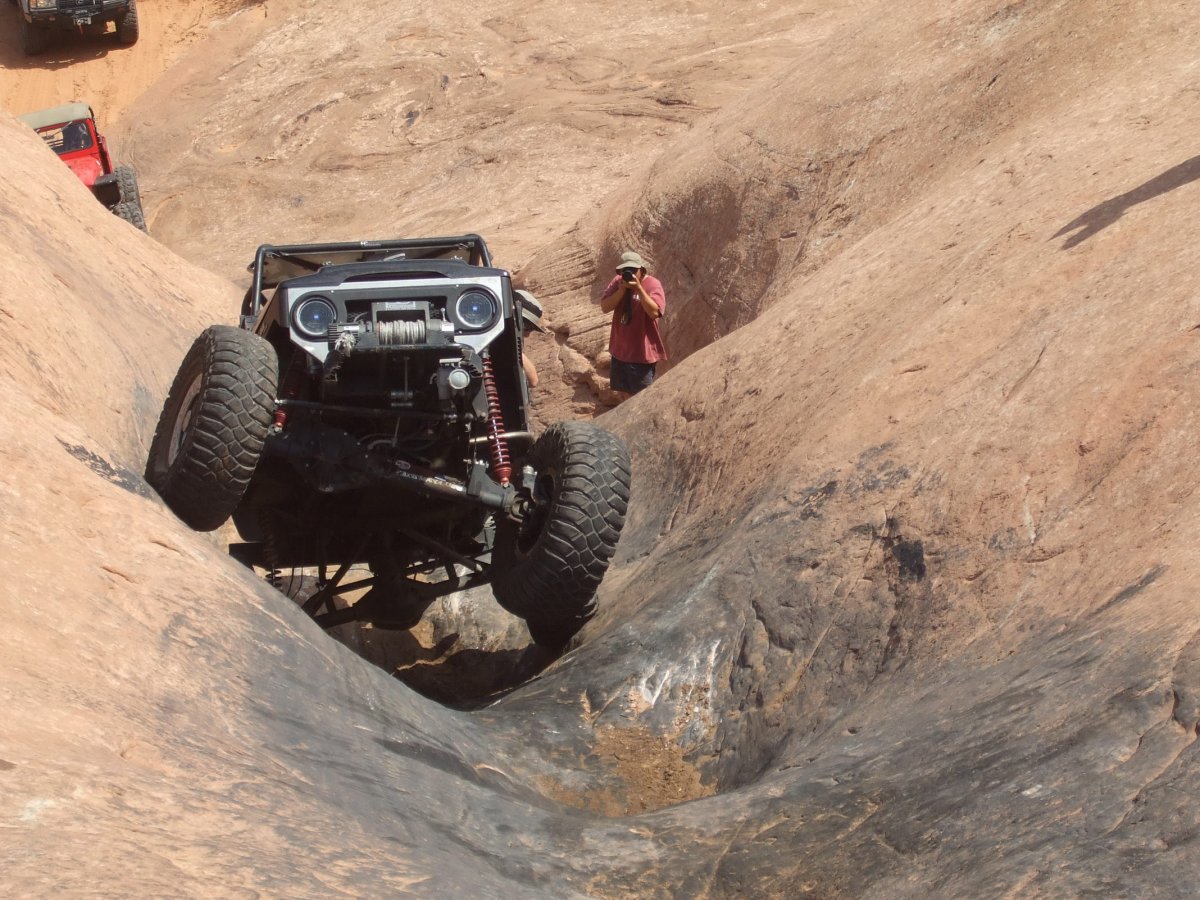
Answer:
(40, 18)
(70, 131)
(372, 411)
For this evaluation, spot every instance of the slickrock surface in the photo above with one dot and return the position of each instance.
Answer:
(906, 605)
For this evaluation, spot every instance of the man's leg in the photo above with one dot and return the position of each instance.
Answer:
(641, 376)
(618, 380)
(627, 379)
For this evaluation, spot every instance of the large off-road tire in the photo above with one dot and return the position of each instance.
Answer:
(213, 425)
(547, 568)
(129, 207)
(131, 213)
(127, 185)
(33, 39)
(127, 25)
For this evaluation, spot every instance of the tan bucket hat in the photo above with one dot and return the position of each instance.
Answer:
(630, 260)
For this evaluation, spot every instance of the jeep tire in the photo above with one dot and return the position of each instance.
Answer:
(127, 185)
(33, 39)
(213, 425)
(131, 213)
(547, 568)
(127, 24)
(129, 207)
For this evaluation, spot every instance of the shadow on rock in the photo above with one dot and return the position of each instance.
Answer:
(1104, 214)
(465, 653)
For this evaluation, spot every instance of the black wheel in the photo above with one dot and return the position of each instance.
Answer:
(127, 184)
(248, 523)
(127, 25)
(546, 568)
(129, 207)
(33, 39)
(131, 213)
(213, 425)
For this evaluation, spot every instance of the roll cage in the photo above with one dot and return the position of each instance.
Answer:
(275, 263)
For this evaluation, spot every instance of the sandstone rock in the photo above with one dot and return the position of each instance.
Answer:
(906, 601)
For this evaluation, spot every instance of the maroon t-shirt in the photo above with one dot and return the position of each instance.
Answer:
(640, 341)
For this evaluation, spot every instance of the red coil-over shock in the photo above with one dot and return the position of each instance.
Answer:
(497, 442)
(289, 389)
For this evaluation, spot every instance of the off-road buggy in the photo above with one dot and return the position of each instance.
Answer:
(70, 131)
(371, 413)
(40, 18)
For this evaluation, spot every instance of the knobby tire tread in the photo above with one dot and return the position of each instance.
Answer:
(131, 213)
(34, 40)
(553, 585)
(220, 450)
(127, 25)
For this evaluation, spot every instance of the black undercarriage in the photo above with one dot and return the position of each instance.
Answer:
(379, 467)
(367, 429)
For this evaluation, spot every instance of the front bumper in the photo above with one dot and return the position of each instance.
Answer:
(107, 190)
(71, 13)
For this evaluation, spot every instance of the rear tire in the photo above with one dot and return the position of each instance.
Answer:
(547, 568)
(33, 39)
(129, 207)
(127, 25)
(127, 184)
(213, 425)
(131, 213)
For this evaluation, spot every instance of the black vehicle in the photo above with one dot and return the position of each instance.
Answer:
(372, 409)
(39, 18)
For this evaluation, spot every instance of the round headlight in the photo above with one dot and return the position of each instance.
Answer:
(476, 309)
(314, 315)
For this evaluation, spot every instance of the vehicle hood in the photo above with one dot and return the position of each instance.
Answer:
(87, 168)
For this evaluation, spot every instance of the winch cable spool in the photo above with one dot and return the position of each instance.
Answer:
(400, 332)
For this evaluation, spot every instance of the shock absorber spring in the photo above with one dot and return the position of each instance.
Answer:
(270, 557)
(497, 442)
(289, 388)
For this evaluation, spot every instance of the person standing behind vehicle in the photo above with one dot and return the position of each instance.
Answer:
(637, 301)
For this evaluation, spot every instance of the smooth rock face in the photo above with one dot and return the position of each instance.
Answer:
(906, 603)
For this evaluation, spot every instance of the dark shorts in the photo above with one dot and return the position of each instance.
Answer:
(630, 377)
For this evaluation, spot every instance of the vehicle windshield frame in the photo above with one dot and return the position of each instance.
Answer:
(55, 137)
(275, 263)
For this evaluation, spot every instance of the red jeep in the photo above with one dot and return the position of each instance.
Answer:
(70, 131)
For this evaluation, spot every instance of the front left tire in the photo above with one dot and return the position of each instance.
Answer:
(213, 426)
(33, 39)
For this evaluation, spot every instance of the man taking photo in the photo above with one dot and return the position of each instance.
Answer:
(637, 301)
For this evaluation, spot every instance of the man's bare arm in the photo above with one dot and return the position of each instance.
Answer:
(649, 304)
(613, 300)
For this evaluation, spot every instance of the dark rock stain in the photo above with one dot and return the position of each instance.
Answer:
(814, 498)
(1132, 590)
(122, 478)
(911, 557)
